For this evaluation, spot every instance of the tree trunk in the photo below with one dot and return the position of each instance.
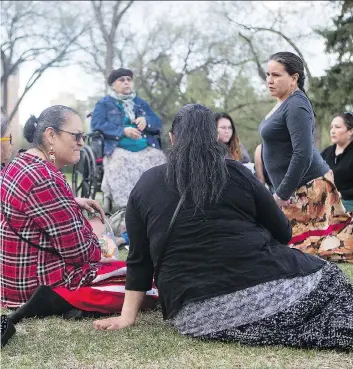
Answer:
(4, 82)
(109, 58)
(4, 97)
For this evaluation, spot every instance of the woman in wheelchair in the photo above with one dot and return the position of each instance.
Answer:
(51, 257)
(136, 148)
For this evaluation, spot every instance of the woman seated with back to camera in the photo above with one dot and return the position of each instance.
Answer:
(133, 123)
(44, 237)
(226, 272)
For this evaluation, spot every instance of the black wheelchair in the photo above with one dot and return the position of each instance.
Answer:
(87, 174)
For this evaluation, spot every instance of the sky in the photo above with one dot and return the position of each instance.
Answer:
(74, 80)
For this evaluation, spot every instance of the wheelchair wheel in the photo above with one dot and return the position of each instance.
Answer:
(84, 175)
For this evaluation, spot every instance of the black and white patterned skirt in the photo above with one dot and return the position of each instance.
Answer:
(322, 318)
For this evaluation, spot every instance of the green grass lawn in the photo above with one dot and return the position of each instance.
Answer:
(152, 343)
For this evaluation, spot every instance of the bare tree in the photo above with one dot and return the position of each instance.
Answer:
(177, 65)
(273, 30)
(29, 34)
(106, 39)
(282, 30)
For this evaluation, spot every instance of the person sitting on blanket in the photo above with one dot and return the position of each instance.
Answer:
(225, 272)
(134, 125)
(44, 237)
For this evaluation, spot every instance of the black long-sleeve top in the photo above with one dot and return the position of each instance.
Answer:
(237, 243)
(342, 167)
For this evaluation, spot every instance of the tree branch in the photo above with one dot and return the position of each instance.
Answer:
(256, 58)
(281, 34)
(39, 71)
(243, 105)
(99, 18)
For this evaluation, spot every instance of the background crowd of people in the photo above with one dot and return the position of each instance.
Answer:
(240, 262)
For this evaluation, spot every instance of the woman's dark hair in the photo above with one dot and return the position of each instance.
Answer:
(292, 64)
(4, 124)
(234, 143)
(347, 119)
(196, 159)
(54, 117)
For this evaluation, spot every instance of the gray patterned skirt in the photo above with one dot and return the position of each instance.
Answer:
(123, 169)
(315, 311)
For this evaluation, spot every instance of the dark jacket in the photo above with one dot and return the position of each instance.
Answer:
(342, 167)
(108, 118)
(238, 243)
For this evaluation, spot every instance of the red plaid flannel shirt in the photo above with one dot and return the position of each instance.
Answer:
(40, 206)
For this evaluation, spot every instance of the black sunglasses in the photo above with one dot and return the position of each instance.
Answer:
(78, 136)
(348, 113)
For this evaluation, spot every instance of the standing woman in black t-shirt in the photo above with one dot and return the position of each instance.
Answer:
(303, 182)
(339, 156)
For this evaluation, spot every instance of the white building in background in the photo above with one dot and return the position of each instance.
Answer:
(65, 98)
(82, 107)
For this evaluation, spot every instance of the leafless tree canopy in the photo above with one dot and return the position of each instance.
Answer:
(36, 32)
(217, 57)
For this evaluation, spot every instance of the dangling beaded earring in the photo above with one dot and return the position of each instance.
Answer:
(51, 154)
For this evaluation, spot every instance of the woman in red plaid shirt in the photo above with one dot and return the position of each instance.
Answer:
(45, 239)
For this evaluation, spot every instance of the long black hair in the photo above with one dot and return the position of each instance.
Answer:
(196, 159)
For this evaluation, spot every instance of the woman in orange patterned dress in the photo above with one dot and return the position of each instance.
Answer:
(303, 182)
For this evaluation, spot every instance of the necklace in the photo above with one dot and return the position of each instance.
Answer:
(41, 155)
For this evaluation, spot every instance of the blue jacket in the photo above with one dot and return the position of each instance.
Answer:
(108, 118)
